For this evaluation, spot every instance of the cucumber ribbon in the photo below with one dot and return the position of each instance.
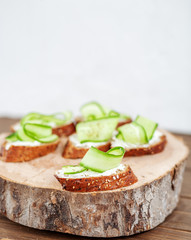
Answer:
(99, 130)
(94, 110)
(31, 132)
(99, 161)
(56, 119)
(138, 132)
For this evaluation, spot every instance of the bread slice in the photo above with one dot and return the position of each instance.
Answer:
(63, 130)
(72, 152)
(26, 153)
(99, 182)
(152, 148)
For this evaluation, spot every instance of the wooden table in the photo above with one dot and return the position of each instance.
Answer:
(176, 226)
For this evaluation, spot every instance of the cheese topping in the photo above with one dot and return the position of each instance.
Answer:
(118, 142)
(22, 143)
(90, 173)
(74, 139)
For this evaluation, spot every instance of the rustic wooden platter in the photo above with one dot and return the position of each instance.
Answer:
(30, 195)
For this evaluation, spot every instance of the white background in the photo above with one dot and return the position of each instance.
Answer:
(132, 55)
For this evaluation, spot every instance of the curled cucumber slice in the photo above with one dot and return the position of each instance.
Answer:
(149, 125)
(99, 130)
(133, 133)
(22, 136)
(99, 161)
(37, 130)
(92, 110)
(73, 169)
(56, 119)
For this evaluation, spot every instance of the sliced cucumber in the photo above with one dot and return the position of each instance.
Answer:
(57, 118)
(31, 117)
(49, 139)
(133, 133)
(99, 130)
(12, 137)
(73, 169)
(149, 125)
(99, 161)
(92, 110)
(37, 130)
(22, 136)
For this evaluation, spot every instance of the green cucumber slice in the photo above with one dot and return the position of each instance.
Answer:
(57, 118)
(133, 133)
(99, 161)
(31, 117)
(12, 137)
(37, 130)
(99, 130)
(49, 139)
(149, 125)
(92, 110)
(22, 136)
(73, 169)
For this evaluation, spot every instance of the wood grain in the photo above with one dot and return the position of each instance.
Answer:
(170, 229)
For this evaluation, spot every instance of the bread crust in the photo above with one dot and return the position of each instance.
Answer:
(27, 153)
(124, 122)
(63, 130)
(103, 183)
(73, 152)
(152, 149)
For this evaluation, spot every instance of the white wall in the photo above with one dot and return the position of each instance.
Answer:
(132, 55)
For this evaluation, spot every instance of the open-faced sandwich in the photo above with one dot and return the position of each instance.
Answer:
(98, 171)
(94, 110)
(30, 141)
(96, 133)
(141, 137)
(61, 123)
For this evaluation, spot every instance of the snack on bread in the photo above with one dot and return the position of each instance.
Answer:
(95, 133)
(61, 123)
(98, 171)
(28, 142)
(26, 153)
(119, 177)
(140, 137)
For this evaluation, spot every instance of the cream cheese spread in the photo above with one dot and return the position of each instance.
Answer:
(90, 173)
(74, 139)
(115, 142)
(22, 143)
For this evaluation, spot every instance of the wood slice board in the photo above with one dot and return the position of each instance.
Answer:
(31, 196)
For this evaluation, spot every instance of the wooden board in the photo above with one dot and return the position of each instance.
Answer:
(34, 198)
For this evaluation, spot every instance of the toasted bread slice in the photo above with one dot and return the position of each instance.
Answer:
(72, 152)
(154, 147)
(63, 130)
(98, 182)
(27, 153)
